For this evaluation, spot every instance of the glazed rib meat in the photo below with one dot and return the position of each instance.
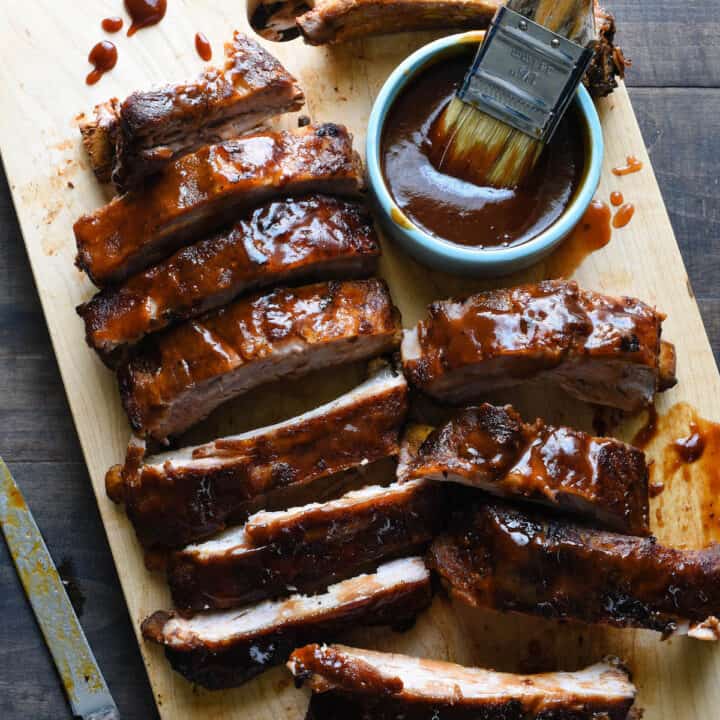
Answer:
(189, 494)
(601, 349)
(491, 448)
(281, 242)
(143, 134)
(336, 21)
(359, 684)
(306, 548)
(224, 649)
(200, 192)
(511, 560)
(178, 377)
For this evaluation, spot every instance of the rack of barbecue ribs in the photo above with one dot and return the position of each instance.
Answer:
(336, 21)
(356, 684)
(189, 494)
(281, 242)
(180, 376)
(200, 192)
(508, 559)
(129, 140)
(491, 448)
(222, 649)
(601, 349)
(306, 548)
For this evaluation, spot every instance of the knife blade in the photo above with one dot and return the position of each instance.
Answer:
(85, 686)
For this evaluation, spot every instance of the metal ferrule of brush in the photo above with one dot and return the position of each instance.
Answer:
(524, 74)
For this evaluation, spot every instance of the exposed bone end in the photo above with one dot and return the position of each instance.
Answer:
(667, 367)
(118, 476)
(414, 437)
(153, 626)
(98, 138)
(114, 484)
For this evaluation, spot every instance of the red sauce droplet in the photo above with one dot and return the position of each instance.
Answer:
(632, 165)
(103, 58)
(203, 47)
(616, 198)
(112, 24)
(590, 234)
(655, 488)
(624, 215)
(690, 448)
(647, 432)
(144, 13)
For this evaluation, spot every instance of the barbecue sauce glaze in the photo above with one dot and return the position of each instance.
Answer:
(459, 211)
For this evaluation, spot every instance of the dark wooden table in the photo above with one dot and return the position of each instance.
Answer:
(675, 88)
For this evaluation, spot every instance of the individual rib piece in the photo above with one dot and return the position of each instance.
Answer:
(178, 377)
(224, 649)
(189, 494)
(362, 684)
(285, 241)
(491, 448)
(335, 21)
(143, 134)
(503, 558)
(601, 349)
(306, 548)
(202, 191)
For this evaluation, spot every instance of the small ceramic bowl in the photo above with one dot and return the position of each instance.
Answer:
(442, 254)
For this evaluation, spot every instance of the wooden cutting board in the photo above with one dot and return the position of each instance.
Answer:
(42, 91)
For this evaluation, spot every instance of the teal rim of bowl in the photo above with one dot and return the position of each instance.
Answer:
(406, 71)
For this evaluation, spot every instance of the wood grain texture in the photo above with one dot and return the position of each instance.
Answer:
(681, 674)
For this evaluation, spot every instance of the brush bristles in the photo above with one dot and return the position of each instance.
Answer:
(474, 146)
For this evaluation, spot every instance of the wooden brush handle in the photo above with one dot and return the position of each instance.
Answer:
(574, 19)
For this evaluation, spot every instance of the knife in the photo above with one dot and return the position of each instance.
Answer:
(84, 684)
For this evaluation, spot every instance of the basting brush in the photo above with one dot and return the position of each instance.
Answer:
(518, 88)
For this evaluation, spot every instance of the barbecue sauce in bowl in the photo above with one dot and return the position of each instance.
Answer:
(458, 211)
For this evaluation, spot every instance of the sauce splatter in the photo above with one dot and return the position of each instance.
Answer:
(686, 455)
(112, 24)
(655, 488)
(103, 58)
(203, 47)
(690, 448)
(592, 233)
(616, 198)
(144, 13)
(632, 165)
(624, 215)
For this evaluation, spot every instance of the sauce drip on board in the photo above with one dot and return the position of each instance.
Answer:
(144, 13)
(112, 24)
(616, 198)
(690, 448)
(459, 211)
(624, 215)
(592, 233)
(632, 165)
(103, 58)
(203, 47)
(686, 449)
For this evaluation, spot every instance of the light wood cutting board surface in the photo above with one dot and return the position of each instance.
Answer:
(42, 91)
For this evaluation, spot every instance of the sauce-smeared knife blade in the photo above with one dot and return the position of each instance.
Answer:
(87, 692)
